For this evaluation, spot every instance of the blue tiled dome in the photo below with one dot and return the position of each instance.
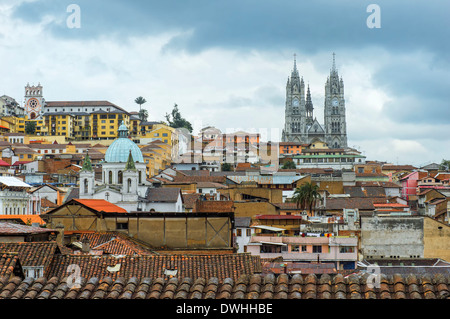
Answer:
(119, 150)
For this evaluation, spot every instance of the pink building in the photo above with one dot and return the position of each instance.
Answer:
(409, 184)
(342, 251)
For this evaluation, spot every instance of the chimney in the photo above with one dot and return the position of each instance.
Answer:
(60, 236)
(85, 246)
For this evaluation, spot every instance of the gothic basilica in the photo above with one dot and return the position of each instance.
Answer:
(300, 124)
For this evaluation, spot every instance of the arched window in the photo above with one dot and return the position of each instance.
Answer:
(110, 177)
(120, 177)
(140, 177)
(85, 185)
(129, 185)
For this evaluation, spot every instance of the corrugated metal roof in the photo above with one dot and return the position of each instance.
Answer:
(266, 179)
(12, 181)
(268, 228)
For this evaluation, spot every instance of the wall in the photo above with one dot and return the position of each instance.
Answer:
(236, 193)
(250, 209)
(402, 237)
(436, 241)
(171, 230)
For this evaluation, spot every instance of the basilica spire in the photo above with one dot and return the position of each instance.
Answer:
(309, 104)
(295, 70)
(334, 62)
(334, 71)
(309, 107)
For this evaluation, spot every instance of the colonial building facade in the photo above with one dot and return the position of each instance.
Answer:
(300, 123)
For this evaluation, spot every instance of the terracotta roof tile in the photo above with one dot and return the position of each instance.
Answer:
(8, 263)
(33, 253)
(246, 285)
(100, 205)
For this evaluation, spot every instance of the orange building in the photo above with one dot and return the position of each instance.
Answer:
(241, 137)
(291, 147)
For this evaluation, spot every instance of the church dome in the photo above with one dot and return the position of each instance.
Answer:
(119, 150)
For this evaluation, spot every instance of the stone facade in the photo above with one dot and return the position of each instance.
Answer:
(300, 124)
(404, 238)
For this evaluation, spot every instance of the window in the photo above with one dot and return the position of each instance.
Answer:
(33, 272)
(347, 249)
(317, 249)
(129, 185)
(304, 248)
(164, 134)
(122, 226)
(249, 232)
(295, 248)
(238, 232)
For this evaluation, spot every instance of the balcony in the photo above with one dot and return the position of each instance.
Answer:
(330, 248)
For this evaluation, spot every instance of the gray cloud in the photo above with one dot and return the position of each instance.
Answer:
(413, 70)
(266, 25)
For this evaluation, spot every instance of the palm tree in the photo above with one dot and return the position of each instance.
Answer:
(306, 196)
(140, 100)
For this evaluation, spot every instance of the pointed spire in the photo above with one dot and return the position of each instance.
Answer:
(308, 98)
(87, 165)
(334, 61)
(295, 61)
(295, 71)
(130, 163)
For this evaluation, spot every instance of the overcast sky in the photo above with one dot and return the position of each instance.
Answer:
(225, 63)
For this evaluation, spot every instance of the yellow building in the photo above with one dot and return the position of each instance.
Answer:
(82, 126)
(157, 156)
(20, 125)
(318, 145)
(106, 124)
(7, 124)
(59, 124)
(153, 131)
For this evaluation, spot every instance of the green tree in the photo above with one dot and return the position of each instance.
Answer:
(140, 100)
(143, 115)
(445, 165)
(306, 196)
(30, 128)
(289, 165)
(175, 119)
(226, 167)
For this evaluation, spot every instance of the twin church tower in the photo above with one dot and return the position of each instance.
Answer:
(300, 124)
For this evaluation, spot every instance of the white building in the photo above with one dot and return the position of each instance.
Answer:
(123, 181)
(242, 233)
(14, 198)
(162, 200)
